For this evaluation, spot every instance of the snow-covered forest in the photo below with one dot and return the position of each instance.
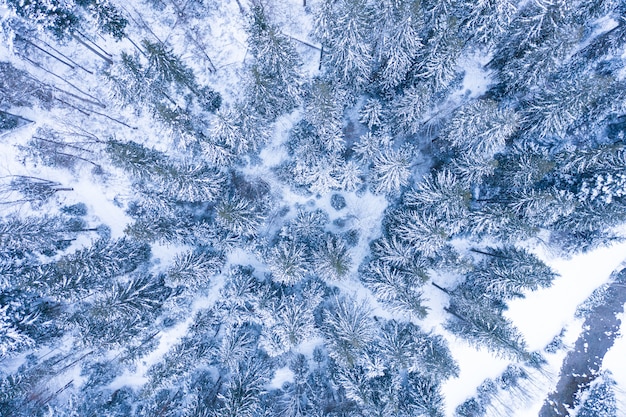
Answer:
(255, 208)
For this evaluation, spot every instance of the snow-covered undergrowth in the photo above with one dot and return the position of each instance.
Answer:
(307, 208)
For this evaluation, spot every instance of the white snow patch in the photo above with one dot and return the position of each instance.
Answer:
(476, 79)
(99, 201)
(168, 338)
(475, 367)
(614, 358)
(543, 313)
(281, 376)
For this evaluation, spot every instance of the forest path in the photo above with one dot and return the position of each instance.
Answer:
(583, 363)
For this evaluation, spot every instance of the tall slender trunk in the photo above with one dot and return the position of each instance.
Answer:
(440, 288)
(495, 255)
(65, 56)
(105, 58)
(38, 65)
(319, 68)
(20, 38)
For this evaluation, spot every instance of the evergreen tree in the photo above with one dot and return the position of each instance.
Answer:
(125, 311)
(411, 108)
(348, 328)
(507, 272)
(442, 195)
(194, 269)
(55, 16)
(483, 326)
(344, 29)
(391, 170)
(398, 24)
(288, 262)
(45, 235)
(155, 172)
(398, 289)
(240, 216)
(372, 113)
(274, 81)
(331, 258)
(242, 395)
(11, 338)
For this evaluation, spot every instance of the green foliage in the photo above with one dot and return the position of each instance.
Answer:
(54, 16)
(484, 326)
(348, 328)
(155, 172)
(273, 77)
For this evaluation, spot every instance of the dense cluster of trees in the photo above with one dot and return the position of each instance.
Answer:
(256, 284)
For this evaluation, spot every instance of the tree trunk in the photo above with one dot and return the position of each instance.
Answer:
(44, 51)
(96, 103)
(115, 120)
(56, 142)
(95, 44)
(65, 56)
(440, 288)
(79, 40)
(72, 106)
(319, 68)
(488, 253)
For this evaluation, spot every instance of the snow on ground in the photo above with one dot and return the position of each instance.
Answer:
(281, 376)
(543, 382)
(167, 339)
(615, 361)
(100, 202)
(543, 313)
(476, 79)
(475, 367)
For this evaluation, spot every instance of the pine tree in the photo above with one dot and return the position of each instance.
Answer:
(54, 16)
(241, 397)
(45, 235)
(372, 113)
(391, 170)
(348, 328)
(507, 272)
(481, 128)
(331, 259)
(12, 340)
(343, 28)
(294, 324)
(194, 269)
(411, 108)
(239, 215)
(436, 63)
(323, 109)
(398, 24)
(425, 396)
(398, 289)
(442, 195)
(274, 81)
(187, 181)
(488, 20)
(406, 347)
(123, 312)
(426, 232)
(288, 262)
(483, 326)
